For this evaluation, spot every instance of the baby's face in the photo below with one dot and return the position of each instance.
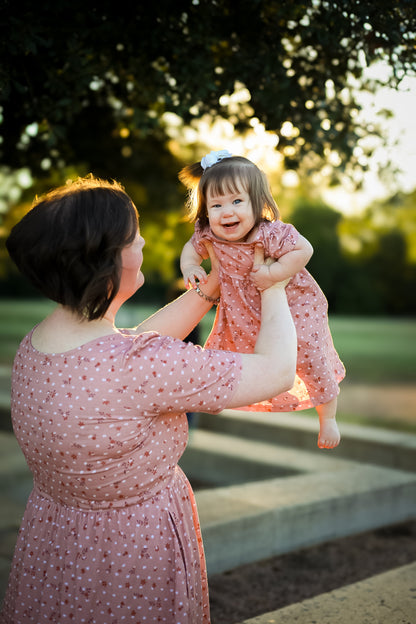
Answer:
(230, 216)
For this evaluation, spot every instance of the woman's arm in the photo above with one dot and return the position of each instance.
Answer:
(178, 318)
(267, 372)
(271, 369)
(181, 316)
(286, 266)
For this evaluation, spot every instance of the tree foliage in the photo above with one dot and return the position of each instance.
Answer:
(85, 86)
(81, 80)
(319, 223)
(364, 263)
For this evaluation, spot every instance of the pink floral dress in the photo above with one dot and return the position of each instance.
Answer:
(236, 326)
(111, 532)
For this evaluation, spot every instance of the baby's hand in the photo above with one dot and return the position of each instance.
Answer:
(329, 436)
(193, 274)
(260, 276)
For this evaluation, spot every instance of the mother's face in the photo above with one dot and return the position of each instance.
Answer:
(131, 261)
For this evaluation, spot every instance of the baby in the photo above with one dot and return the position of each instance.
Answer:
(232, 206)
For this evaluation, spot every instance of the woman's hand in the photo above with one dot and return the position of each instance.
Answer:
(214, 275)
(193, 274)
(261, 275)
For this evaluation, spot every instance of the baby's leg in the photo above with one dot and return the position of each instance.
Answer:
(329, 436)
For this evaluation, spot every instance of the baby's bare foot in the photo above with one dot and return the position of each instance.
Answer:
(329, 436)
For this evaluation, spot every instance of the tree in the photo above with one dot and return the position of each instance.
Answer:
(319, 223)
(377, 272)
(80, 78)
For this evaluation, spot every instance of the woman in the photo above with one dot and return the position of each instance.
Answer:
(110, 532)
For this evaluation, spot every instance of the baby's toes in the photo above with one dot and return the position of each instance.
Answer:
(327, 443)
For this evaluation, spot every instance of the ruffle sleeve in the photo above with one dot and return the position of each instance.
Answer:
(278, 238)
(197, 240)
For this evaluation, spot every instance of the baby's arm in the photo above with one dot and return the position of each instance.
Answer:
(286, 266)
(190, 266)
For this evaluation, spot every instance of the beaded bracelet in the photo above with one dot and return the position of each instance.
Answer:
(206, 297)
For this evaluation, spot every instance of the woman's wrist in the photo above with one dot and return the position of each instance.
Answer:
(214, 300)
(211, 287)
(280, 285)
(273, 294)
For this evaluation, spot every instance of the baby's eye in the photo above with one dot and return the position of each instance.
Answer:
(237, 201)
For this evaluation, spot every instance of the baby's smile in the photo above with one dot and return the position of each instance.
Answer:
(231, 215)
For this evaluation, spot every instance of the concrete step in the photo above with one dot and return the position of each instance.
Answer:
(329, 497)
(369, 445)
(388, 598)
(214, 459)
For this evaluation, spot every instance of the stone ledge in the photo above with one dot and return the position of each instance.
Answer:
(371, 445)
(222, 459)
(245, 523)
(388, 598)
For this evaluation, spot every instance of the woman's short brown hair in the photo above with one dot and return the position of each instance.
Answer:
(69, 243)
(229, 175)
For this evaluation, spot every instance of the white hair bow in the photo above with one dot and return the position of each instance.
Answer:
(213, 157)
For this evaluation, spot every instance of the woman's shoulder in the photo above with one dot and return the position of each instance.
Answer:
(131, 341)
(149, 344)
(118, 342)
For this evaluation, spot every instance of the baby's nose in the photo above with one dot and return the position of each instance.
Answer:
(228, 209)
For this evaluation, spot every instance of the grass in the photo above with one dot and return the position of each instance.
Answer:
(376, 350)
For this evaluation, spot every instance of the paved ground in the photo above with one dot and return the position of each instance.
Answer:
(387, 598)
(266, 586)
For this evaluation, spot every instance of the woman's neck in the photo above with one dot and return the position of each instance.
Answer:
(64, 330)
